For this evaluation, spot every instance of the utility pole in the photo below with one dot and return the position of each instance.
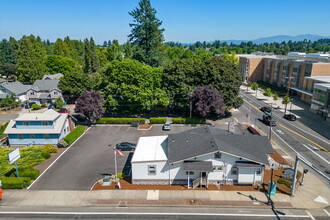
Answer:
(293, 186)
(291, 106)
(190, 108)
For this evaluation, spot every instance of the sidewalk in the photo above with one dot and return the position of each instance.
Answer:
(298, 108)
(305, 196)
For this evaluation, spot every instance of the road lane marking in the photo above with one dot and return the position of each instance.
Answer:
(252, 105)
(304, 138)
(317, 154)
(310, 215)
(156, 213)
(326, 212)
(292, 124)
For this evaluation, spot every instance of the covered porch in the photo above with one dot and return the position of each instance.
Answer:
(201, 167)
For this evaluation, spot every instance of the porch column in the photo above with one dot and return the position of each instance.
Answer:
(200, 185)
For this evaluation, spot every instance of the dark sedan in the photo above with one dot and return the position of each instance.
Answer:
(269, 121)
(290, 117)
(265, 109)
(125, 146)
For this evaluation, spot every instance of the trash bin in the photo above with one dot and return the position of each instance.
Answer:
(190, 183)
(0, 193)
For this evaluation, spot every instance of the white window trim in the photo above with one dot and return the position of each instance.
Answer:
(218, 168)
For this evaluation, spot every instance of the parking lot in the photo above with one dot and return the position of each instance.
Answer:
(92, 155)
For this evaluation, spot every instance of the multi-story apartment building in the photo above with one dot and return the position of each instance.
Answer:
(295, 72)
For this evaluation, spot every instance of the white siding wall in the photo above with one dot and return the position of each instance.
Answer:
(176, 172)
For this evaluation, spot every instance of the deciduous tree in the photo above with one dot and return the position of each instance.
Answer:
(285, 101)
(90, 104)
(207, 101)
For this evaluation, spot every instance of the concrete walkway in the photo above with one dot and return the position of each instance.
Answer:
(305, 197)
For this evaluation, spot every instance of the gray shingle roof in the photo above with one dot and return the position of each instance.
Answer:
(205, 140)
(198, 166)
(15, 87)
(45, 85)
(2, 80)
(52, 76)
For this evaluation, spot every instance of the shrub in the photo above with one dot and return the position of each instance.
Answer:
(28, 172)
(43, 105)
(15, 182)
(36, 107)
(120, 120)
(73, 135)
(45, 154)
(158, 120)
(121, 175)
(49, 148)
(285, 182)
(188, 121)
(3, 128)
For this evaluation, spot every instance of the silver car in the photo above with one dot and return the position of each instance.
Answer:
(166, 126)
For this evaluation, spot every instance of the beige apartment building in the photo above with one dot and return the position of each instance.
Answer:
(298, 72)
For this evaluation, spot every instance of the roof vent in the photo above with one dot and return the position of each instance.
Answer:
(36, 117)
(187, 140)
(172, 140)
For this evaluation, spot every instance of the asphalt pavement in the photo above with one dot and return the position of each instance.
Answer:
(294, 136)
(161, 213)
(92, 156)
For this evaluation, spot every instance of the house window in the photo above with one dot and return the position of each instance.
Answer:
(45, 123)
(26, 123)
(32, 136)
(217, 168)
(258, 171)
(55, 93)
(20, 136)
(46, 136)
(234, 170)
(152, 170)
(190, 173)
(64, 130)
(217, 155)
(31, 93)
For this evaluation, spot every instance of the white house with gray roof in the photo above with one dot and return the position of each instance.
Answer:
(44, 91)
(38, 128)
(16, 87)
(201, 156)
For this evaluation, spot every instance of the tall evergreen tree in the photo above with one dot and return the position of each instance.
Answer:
(95, 62)
(60, 48)
(31, 59)
(109, 43)
(114, 52)
(105, 44)
(88, 61)
(128, 50)
(146, 34)
(8, 57)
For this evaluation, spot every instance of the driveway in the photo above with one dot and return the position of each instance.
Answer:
(92, 155)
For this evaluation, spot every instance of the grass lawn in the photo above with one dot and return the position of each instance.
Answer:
(30, 156)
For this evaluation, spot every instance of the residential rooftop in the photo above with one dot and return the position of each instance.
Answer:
(49, 115)
(151, 148)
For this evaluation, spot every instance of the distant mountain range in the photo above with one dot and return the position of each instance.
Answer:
(272, 39)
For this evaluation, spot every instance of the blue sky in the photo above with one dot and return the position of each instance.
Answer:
(183, 20)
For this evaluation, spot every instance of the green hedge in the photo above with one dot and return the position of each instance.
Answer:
(188, 121)
(15, 182)
(28, 172)
(158, 120)
(36, 107)
(120, 120)
(3, 128)
(285, 182)
(77, 132)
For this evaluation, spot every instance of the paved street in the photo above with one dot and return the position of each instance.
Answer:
(92, 155)
(294, 137)
(161, 213)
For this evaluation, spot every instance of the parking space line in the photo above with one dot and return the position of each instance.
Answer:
(57, 158)
(310, 215)
(326, 212)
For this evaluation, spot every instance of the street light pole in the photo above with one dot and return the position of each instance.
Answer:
(291, 106)
(270, 202)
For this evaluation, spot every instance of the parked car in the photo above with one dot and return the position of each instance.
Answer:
(265, 109)
(63, 110)
(267, 118)
(166, 126)
(51, 106)
(29, 105)
(290, 117)
(80, 119)
(125, 146)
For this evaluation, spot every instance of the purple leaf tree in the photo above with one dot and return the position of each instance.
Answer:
(90, 104)
(207, 101)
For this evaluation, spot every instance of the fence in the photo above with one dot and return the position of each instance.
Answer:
(4, 109)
